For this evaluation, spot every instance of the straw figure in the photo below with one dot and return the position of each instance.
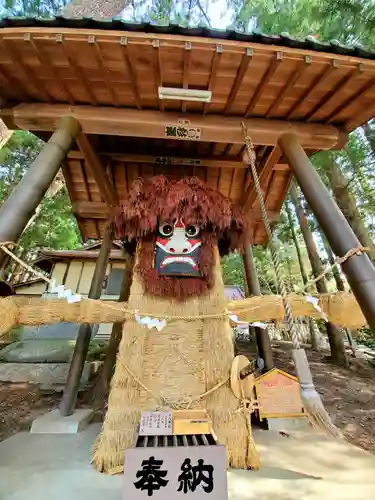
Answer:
(179, 228)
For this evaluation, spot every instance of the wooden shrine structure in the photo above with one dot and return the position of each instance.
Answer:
(117, 101)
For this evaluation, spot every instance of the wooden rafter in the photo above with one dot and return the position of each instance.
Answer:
(266, 78)
(154, 124)
(130, 67)
(315, 84)
(366, 88)
(27, 74)
(13, 81)
(294, 77)
(97, 169)
(358, 118)
(245, 61)
(332, 95)
(103, 68)
(158, 72)
(213, 73)
(264, 171)
(44, 61)
(186, 71)
(78, 73)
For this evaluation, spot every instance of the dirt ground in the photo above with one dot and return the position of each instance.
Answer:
(21, 403)
(348, 395)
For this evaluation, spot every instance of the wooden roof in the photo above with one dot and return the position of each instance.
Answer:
(108, 78)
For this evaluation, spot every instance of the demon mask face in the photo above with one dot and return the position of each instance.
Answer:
(176, 225)
(177, 249)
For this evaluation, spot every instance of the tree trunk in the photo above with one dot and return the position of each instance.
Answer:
(348, 205)
(340, 285)
(314, 330)
(370, 136)
(335, 335)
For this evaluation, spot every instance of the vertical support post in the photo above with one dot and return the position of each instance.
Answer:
(253, 286)
(358, 269)
(21, 204)
(84, 332)
(102, 386)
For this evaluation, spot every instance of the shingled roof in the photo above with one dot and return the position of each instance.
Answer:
(117, 23)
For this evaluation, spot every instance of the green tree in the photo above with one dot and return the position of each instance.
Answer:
(29, 8)
(54, 226)
(335, 336)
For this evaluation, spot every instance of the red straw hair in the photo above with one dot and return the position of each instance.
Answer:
(157, 199)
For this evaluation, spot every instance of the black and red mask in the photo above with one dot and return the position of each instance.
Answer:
(176, 226)
(178, 249)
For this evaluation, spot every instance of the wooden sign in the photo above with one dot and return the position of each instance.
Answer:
(168, 160)
(183, 131)
(156, 423)
(278, 395)
(175, 473)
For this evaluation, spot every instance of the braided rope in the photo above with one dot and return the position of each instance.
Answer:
(338, 261)
(273, 250)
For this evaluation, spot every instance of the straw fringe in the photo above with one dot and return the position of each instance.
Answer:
(179, 364)
(317, 414)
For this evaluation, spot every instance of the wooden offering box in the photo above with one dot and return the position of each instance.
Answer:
(278, 395)
(189, 422)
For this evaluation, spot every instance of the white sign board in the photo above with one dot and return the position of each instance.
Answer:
(156, 423)
(176, 473)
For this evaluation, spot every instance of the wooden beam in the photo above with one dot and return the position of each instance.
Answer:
(84, 254)
(264, 170)
(99, 210)
(97, 169)
(158, 125)
(211, 161)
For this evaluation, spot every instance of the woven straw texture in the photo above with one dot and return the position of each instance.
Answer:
(179, 363)
(340, 308)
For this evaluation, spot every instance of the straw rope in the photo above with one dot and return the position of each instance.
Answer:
(12, 316)
(274, 253)
(183, 404)
(312, 402)
(338, 261)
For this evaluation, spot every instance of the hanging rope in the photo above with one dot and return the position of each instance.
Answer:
(274, 253)
(313, 405)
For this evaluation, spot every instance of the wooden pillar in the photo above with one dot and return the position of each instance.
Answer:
(21, 204)
(84, 333)
(262, 336)
(358, 269)
(102, 386)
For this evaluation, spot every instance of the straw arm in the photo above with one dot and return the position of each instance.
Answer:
(340, 308)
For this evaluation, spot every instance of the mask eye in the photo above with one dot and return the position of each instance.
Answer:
(192, 231)
(166, 229)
